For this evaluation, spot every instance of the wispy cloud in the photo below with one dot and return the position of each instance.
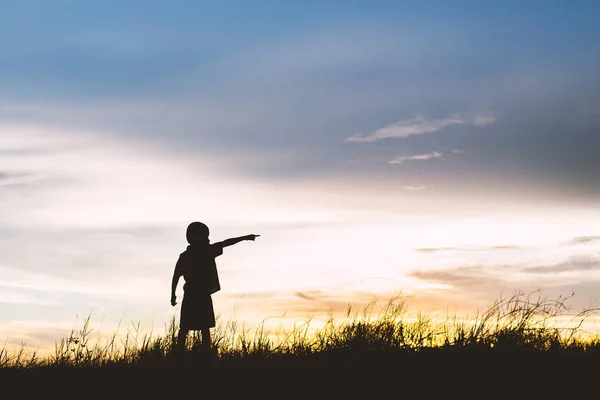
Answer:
(578, 263)
(12, 297)
(585, 239)
(419, 125)
(414, 187)
(462, 276)
(310, 295)
(439, 249)
(417, 157)
(573, 271)
(74, 178)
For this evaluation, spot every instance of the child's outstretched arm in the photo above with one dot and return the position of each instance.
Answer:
(232, 241)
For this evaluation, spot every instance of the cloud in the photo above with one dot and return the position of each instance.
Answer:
(573, 264)
(12, 297)
(578, 270)
(468, 285)
(466, 277)
(310, 295)
(72, 178)
(419, 125)
(418, 157)
(14, 179)
(584, 239)
(414, 187)
(428, 250)
(42, 288)
(439, 249)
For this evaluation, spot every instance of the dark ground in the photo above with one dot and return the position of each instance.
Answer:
(458, 375)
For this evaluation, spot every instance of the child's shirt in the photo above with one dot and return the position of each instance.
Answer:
(198, 267)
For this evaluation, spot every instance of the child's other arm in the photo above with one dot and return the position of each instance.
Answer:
(232, 241)
(176, 275)
(174, 282)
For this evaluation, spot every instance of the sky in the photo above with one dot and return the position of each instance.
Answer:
(447, 151)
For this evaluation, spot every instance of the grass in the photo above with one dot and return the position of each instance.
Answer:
(523, 329)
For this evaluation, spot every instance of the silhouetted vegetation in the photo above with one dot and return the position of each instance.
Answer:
(517, 327)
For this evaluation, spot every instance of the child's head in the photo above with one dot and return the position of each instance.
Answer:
(197, 233)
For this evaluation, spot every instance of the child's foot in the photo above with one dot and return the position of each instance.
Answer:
(204, 348)
(179, 357)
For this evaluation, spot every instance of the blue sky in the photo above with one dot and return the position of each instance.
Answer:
(445, 149)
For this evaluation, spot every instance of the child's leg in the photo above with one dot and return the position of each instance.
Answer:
(206, 339)
(181, 337)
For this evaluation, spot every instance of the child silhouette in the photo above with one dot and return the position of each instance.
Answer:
(199, 270)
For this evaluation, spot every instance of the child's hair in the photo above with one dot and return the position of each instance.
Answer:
(196, 230)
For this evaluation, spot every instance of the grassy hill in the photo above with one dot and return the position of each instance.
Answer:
(519, 347)
(522, 327)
